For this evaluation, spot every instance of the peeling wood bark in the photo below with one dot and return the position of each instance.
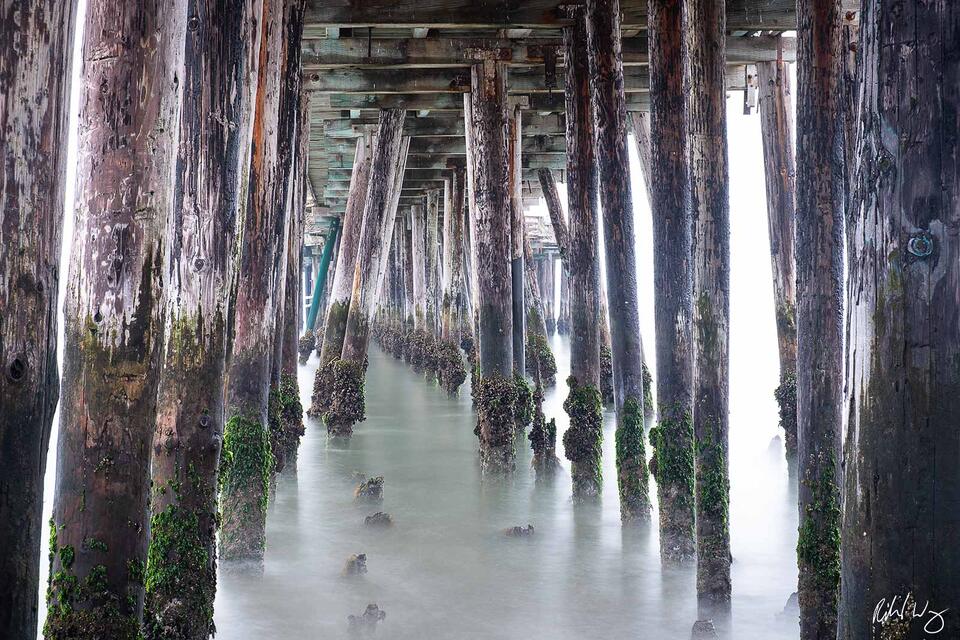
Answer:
(581, 253)
(221, 59)
(819, 250)
(673, 437)
(489, 158)
(776, 129)
(335, 325)
(901, 484)
(613, 161)
(705, 22)
(36, 47)
(114, 316)
(247, 460)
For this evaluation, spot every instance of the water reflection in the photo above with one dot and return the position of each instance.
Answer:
(445, 569)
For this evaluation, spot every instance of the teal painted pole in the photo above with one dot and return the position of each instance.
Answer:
(320, 281)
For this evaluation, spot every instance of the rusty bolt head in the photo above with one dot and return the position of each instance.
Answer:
(920, 245)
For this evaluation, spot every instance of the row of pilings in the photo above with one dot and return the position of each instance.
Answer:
(180, 341)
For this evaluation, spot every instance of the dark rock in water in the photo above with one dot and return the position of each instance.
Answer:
(365, 624)
(704, 630)
(379, 519)
(652, 465)
(519, 532)
(370, 490)
(791, 611)
(356, 565)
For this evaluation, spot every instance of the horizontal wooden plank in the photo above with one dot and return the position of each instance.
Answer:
(450, 102)
(440, 127)
(451, 14)
(519, 81)
(331, 53)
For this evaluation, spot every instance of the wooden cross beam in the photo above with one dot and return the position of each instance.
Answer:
(412, 53)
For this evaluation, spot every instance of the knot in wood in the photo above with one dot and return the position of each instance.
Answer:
(17, 370)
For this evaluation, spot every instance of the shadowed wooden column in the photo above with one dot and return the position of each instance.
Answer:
(705, 22)
(36, 52)
(776, 130)
(516, 238)
(672, 438)
(114, 324)
(613, 162)
(495, 392)
(902, 483)
(819, 228)
(582, 440)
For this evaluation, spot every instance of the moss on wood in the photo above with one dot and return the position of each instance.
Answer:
(583, 439)
(495, 397)
(632, 476)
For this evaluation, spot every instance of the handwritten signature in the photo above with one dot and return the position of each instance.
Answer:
(905, 609)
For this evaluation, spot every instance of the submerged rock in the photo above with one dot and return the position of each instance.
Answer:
(370, 490)
(519, 532)
(365, 624)
(380, 519)
(356, 565)
(704, 630)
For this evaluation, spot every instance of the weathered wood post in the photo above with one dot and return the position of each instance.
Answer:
(417, 217)
(335, 324)
(114, 317)
(776, 127)
(222, 57)
(819, 250)
(36, 57)
(450, 366)
(285, 409)
(613, 161)
(710, 204)
(389, 155)
(495, 392)
(580, 250)
(672, 438)
(546, 280)
(901, 478)
(247, 462)
(514, 171)
(431, 270)
(538, 340)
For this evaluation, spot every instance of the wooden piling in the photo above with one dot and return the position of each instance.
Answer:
(710, 204)
(247, 461)
(517, 234)
(819, 228)
(114, 325)
(36, 50)
(672, 438)
(776, 129)
(901, 479)
(450, 366)
(495, 391)
(222, 58)
(583, 438)
(346, 406)
(613, 161)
